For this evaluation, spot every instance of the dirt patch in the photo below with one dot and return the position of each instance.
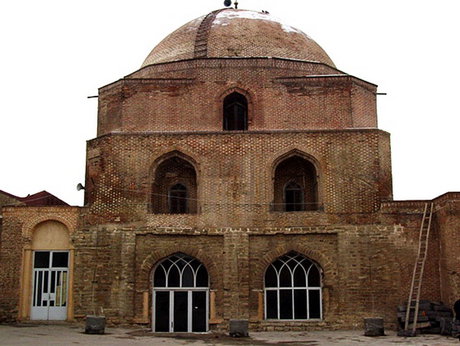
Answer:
(23, 325)
(220, 338)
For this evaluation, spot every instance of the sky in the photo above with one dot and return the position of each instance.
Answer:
(54, 54)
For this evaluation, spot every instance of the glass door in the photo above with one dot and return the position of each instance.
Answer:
(50, 285)
(180, 311)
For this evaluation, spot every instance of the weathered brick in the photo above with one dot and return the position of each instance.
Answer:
(364, 243)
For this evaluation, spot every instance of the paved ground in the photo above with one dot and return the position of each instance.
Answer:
(72, 334)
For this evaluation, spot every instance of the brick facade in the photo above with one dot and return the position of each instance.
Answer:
(279, 92)
(163, 125)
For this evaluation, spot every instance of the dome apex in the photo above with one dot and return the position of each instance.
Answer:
(237, 33)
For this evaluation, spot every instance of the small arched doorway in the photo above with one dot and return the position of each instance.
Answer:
(50, 273)
(180, 295)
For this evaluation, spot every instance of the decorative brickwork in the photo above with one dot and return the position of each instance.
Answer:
(162, 138)
(303, 97)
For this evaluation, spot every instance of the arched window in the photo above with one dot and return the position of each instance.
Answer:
(235, 112)
(174, 188)
(181, 271)
(180, 295)
(293, 197)
(177, 197)
(295, 185)
(293, 289)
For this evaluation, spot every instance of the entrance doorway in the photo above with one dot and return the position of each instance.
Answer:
(180, 295)
(50, 285)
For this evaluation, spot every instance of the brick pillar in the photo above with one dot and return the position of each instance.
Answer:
(236, 275)
(448, 224)
(128, 244)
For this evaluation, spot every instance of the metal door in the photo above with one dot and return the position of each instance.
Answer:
(180, 310)
(50, 285)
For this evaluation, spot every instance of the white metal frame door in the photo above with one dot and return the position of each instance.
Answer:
(50, 285)
(180, 295)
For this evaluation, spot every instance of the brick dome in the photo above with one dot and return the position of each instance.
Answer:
(236, 33)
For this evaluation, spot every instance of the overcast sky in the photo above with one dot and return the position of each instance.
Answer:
(55, 53)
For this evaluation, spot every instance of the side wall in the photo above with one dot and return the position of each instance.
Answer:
(448, 225)
(18, 226)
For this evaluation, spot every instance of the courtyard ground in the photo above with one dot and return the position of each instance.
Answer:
(72, 334)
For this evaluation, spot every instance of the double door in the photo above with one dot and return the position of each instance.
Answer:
(180, 310)
(50, 285)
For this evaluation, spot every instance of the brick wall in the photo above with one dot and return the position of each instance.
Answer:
(278, 98)
(7, 200)
(367, 261)
(447, 224)
(235, 174)
(10, 259)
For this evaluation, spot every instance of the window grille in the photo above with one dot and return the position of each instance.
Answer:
(181, 271)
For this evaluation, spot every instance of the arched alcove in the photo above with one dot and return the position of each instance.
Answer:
(50, 235)
(295, 185)
(174, 187)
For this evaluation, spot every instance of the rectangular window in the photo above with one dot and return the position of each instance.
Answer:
(60, 259)
(42, 259)
(286, 304)
(300, 299)
(272, 304)
(315, 303)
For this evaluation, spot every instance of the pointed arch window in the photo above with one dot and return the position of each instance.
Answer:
(235, 112)
(181, 271)
(293, 289)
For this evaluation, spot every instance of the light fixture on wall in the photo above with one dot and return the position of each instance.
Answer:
(80, 187)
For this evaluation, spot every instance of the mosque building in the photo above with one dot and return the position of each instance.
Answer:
(238, 174)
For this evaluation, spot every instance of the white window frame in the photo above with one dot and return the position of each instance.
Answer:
(292, 288)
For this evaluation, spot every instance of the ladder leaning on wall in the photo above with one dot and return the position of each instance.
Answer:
(416, 284)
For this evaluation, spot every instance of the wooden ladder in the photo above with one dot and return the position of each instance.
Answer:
(416, 284)
(202, 35)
